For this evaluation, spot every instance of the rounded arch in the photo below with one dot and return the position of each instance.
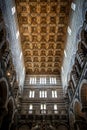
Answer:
(40, 126)
(23, 127)
(3, 91)
(84, 81)
(83, 93)
(77, 107)
(63, 126)
(10, 107)
(36, 127)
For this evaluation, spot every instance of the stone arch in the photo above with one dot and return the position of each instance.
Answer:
(83, 94)
(3, 92)
(36, 127)
(23, 127)
(46, 126)
(8, 118)
(11, 108)
(77, 107)
(62, 126)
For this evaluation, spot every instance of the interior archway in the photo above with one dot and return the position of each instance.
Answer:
(83, 95)
(10, 107)
(77, 107)
(62, 127)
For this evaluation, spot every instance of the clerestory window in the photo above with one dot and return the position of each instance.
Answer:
(52, 80)
(54, 94)
(43, 108)
(31, 94)
(43, 94)
(30, 109)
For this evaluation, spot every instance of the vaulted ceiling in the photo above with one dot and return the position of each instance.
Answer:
(43, 29)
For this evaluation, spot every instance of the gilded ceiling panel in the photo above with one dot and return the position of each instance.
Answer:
(43, 27)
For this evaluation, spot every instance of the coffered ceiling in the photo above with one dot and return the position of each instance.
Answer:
(43, 28)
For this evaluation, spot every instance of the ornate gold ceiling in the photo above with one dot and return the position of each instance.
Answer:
(42, 25)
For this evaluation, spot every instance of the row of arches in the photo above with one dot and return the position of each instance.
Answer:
(7, 85)
(78, 109)
(44, 126)
(77, 88)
